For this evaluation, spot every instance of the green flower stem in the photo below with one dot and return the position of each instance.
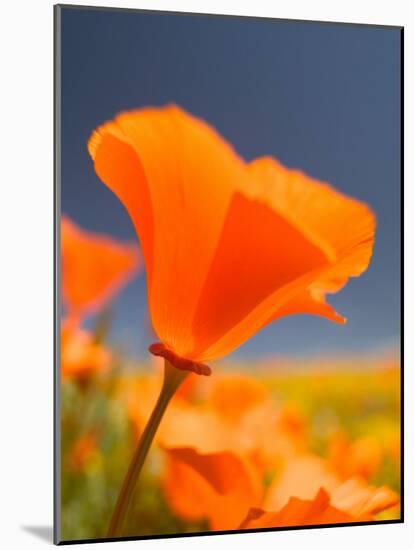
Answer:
(172, 379)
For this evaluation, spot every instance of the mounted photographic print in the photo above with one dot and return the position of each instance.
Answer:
(228, 274)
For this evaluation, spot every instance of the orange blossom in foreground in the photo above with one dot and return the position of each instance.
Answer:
(229, 246)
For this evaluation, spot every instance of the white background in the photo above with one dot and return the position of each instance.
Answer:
(26, 299)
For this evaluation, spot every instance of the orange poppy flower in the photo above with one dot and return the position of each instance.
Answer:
(223, 488)
(80, 355)
(219, 486)
(362, 457)
(229, 246)
(304, 476)
(94, 268)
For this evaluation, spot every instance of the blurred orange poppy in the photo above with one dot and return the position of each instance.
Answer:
(94, 268)
(364, 455)
(225, 489)
(229, 246)
(81, 356)
(218, 486)
(303, 476)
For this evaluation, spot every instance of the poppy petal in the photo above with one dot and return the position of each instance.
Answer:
(318, 511)
(258, 252)
(187, 175)
(341, 227)
(359, 498)
(311, 303)
(94, 268)
(224, 484)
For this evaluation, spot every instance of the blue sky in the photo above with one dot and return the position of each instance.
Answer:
(322, 98)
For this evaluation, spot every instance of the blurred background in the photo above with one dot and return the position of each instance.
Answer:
(304, 405)
(321, 98)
